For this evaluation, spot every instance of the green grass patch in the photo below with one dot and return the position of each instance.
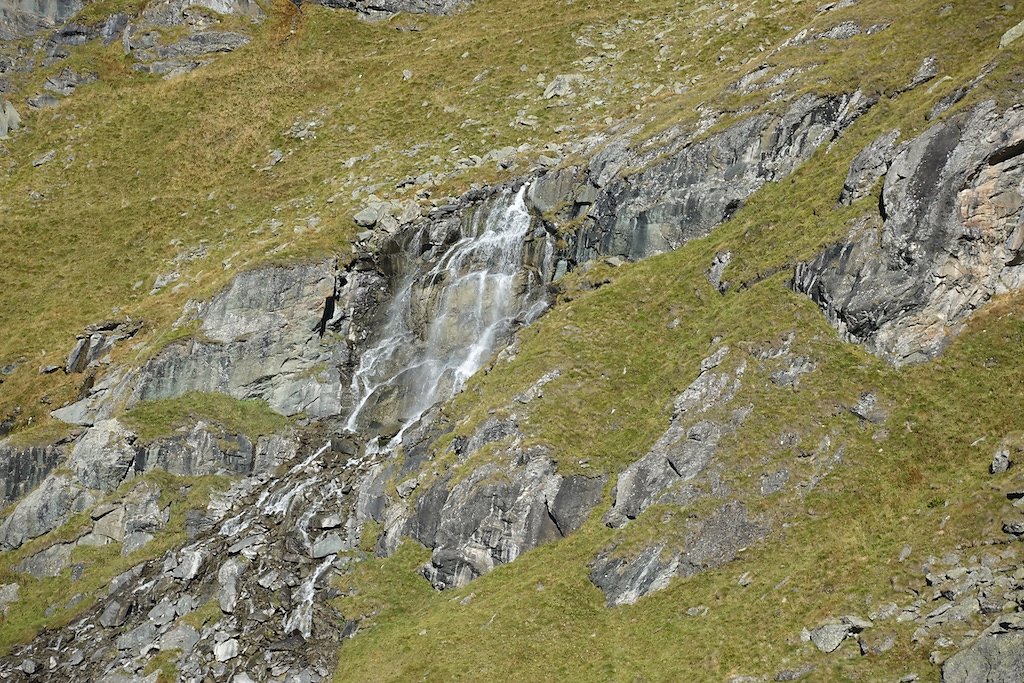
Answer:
(253, 418)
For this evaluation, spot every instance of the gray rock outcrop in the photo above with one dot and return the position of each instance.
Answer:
(23, 18)
(698, 185)
(24, 468)
(375, 8)
(991, 659)
(257, 339)
(870, 165)
(685, 449)
(709, 543)
(952, 238)
(481, 523)
(97, 341)
(44, 509)
(101, 458)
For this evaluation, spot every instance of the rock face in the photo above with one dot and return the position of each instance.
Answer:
(207, 449)
(698, 185)
(22, 469)
(257, 339)
(869, 166)
(684, 450)
(709, 543)
(251, 554)
(22, 18)
(57, 498)
(495, 514)
(991, 659)
(387, 7)
(107, 455)
(951, 238)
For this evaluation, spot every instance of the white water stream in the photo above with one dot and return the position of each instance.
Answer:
(301, 618)
(471, 300)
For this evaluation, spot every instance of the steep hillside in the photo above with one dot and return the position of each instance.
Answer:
(523, 341)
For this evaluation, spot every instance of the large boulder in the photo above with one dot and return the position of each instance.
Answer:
(10, 120)
(991, 659)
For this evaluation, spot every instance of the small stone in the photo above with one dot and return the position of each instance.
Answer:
(367, 218)
(330, 522)
(226, 651)
(328, 545)
(856, 624)
(829, 637)
(876, 643)
(1014, 528)
(28, 666)
(114, 614)
(1000, 461)
(45, 158)
(795, 674)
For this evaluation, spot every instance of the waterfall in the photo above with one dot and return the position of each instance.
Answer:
(301, 618)
(446, 320)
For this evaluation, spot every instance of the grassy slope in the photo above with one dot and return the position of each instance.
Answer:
(149, 169)
(621, 362)
(613, 344)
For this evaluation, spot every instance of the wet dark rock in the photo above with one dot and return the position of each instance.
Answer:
(22, 469)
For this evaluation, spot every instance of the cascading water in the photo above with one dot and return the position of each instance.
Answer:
(444, 323)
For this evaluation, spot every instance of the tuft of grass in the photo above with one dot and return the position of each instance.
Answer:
(253, 418)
